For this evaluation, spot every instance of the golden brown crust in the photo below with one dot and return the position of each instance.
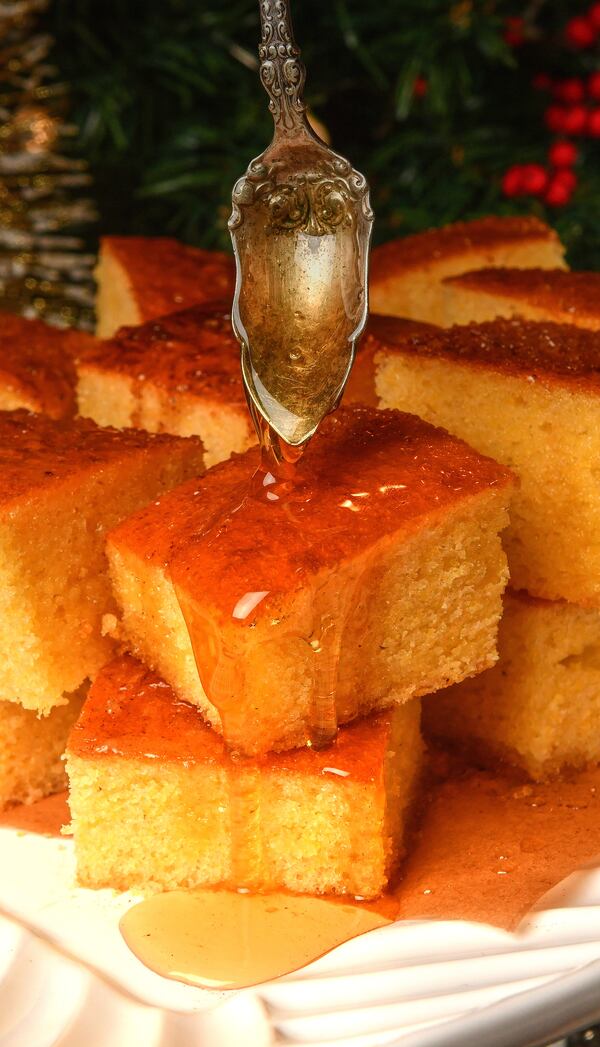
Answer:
(36, 363)
(38, 453)
(190, 352)
(166, 275)
(421, 249)
(131, 713)
(555, 290)
(366, 474)
(547, 353)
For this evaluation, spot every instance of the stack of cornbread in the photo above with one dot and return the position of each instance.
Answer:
(64, 484)
(257, 628)
(247, 630)
(518, 377)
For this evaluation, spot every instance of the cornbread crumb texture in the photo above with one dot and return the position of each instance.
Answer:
(37, 369)
(539, 707)
(31, 750)
(63, 485)
(406, 275)
(534, 294)
(392, 534)
(156, 801)
(140, 278)
(179, 374)
(528, 395)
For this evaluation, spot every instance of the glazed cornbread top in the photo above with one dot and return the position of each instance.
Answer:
(38, 454)
(131, 713)
(392, 330)
(191, 351)
(165, 275)
(565, 296)
(36, 365)
(547, 353)
(421, 249)
(366, 473)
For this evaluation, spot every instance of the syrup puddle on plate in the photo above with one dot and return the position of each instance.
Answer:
(231, 940)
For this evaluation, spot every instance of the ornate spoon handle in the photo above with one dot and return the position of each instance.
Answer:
(282, 73)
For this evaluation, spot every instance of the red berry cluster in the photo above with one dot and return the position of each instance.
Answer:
(582, 31)
(554, 185)
(568, 115)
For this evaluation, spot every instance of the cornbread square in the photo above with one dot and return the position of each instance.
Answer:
(529, 395)
(360, 387)
(539, 707)
(63, 484)
(179, 374)
(142, 277)
(534, 294)
(385, 553)
(406, 275)
(37, 369)
(31, 750)
(157, 802)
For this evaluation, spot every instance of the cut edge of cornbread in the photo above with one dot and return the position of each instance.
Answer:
(116, 305)
(396, 649)
(119, 400)
(307, 823)
(538, 709)
(31, 750)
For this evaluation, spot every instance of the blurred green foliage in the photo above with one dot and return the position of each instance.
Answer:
(170, 107)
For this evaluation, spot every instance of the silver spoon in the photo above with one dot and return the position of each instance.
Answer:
(300, 225)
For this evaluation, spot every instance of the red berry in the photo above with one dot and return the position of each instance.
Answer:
(566, 178)
(575, 120)
(580, 32)
(541, 82)
(593, 123)
(558, 192)
(420, 87)
(594, 15)
(571, 90)
(593, 85)
(512, 181)
(534, 179)
(562, 154)
(514, 31)
(555, 118)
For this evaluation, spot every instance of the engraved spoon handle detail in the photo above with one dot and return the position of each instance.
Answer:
(282, 73)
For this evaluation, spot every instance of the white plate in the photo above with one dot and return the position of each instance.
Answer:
(421, 983)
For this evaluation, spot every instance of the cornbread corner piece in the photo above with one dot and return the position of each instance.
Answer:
(156, 800)
(62, 486)
(406, 274)
(37, 369)
(32, 748)
(539, 707)
(527, 394)
(534, 294)
(360, 387)
(142, 277)
(388, 551)
(179, 374)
